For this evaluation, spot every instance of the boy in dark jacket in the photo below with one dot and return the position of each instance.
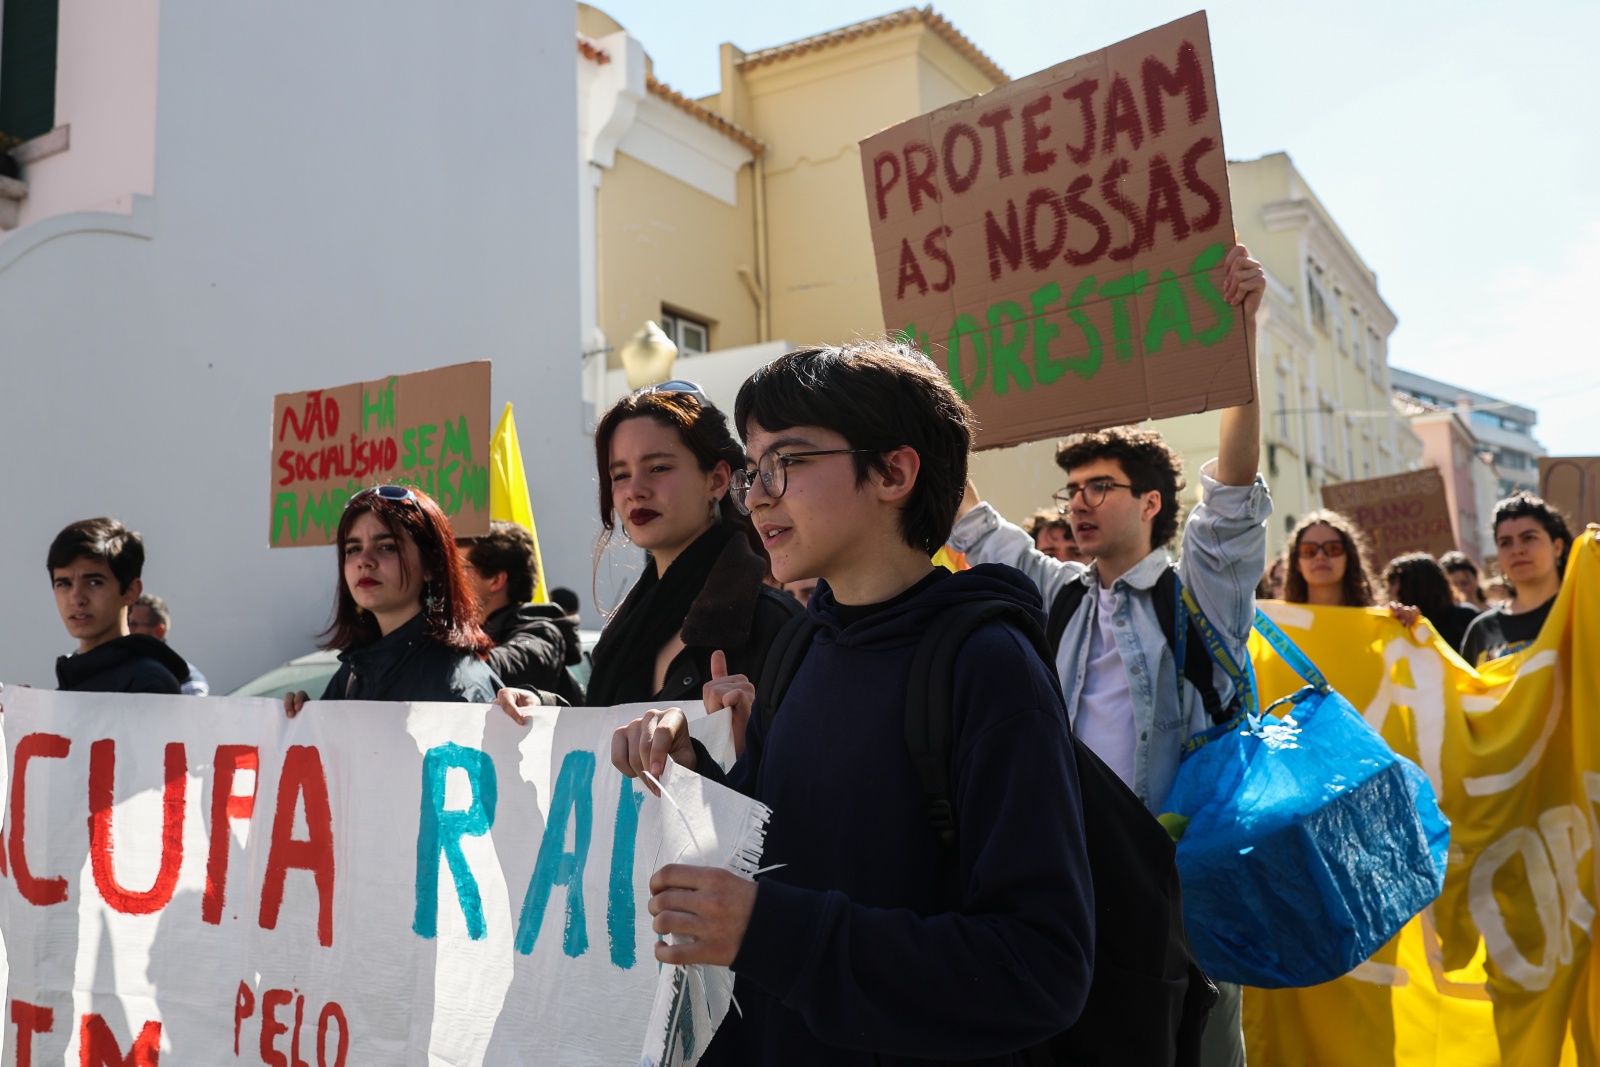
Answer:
(94, 568)
(850, 950)
(534, 643)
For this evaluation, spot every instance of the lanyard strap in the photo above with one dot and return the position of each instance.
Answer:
(1290, 652)
(1241, 676)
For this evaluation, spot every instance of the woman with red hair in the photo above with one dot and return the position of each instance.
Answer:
(405, 621)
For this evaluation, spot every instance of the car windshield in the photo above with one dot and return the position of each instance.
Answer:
(291, 677)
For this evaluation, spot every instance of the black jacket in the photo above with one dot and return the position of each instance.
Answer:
(853, 955)
(735, 612)
(137, 663)
(534, 643)
(409, 665)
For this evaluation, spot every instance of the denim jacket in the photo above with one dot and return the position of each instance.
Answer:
(1224, 553)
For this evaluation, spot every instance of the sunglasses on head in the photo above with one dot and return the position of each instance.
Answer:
(676, 385)
(396, 493)
(1310, 549)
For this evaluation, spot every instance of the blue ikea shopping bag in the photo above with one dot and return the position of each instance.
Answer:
(1309, 843)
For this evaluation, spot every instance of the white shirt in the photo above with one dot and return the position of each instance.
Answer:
(1105, 714)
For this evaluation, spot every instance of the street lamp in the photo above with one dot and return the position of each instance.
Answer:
(648, 357)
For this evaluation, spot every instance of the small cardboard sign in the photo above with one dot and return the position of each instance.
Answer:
(1399, 513)
(1571, 485)
(428, 430)
(1055, 244)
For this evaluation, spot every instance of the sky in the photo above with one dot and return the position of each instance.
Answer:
(1456, 145)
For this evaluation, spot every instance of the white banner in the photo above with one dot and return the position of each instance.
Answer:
(206, 882)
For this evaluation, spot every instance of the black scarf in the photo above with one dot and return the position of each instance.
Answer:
(652, 613)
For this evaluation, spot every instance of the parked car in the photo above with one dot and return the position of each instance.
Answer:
(311, 673)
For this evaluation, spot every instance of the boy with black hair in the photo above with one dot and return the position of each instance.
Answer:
(1531, 540)
(94, 568)
(1108, 623)
(534, 643)
(847, 951)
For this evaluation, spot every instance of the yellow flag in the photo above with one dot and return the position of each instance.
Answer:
(1499, 969)
(508, 492)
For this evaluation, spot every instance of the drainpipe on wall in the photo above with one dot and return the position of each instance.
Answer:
(762, 288)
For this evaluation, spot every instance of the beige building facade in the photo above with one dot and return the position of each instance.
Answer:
(783, 252)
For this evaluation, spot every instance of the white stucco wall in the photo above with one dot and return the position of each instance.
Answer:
(340, 191)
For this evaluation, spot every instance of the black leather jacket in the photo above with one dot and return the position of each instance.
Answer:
(409, 665)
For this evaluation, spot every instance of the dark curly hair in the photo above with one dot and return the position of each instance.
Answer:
(452, 620)
(879, 395)
(1357, 591)
(1152, 466)
(1422, 582)
(1524, 505)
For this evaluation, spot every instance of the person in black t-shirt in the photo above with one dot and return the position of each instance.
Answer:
(1532, 540)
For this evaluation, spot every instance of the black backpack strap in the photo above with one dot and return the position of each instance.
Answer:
(784, 656)
(929, 722)
(1068, 599)
(1196, 669)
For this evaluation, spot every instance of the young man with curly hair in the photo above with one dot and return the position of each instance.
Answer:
(1117, 669)
(1531, 541)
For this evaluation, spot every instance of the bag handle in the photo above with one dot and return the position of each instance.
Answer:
(1290, 652)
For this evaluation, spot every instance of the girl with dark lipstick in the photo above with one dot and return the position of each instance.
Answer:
(405, 621)
(665, 456)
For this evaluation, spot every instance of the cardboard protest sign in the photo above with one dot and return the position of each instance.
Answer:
(368, 883)
(1399, 513)
(428, 430)
(1571, 485)
(1054, 244)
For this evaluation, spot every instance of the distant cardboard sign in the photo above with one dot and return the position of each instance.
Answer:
(1571, 484)
(428, 430)
(1055, 243)
(1400, 513)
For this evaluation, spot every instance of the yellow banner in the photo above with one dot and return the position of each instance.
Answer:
(1498, 970)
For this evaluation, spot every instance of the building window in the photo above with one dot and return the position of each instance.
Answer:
(28, 67)
(1318, 300)
(690, 335)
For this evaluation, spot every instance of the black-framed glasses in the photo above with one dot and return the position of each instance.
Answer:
(773, 470)
(396, 493)
(1094, 493)
(677, 385)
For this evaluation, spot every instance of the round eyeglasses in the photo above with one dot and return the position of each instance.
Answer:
(773, 470)
(1094, 493)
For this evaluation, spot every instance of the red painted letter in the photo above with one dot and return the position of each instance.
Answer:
(330, 1011)
(244, 1006)
(97, 1045)
(225, 806)
(302, 777)
(30, 1019)
(271, 1001)
(102, 781)
(40, 891)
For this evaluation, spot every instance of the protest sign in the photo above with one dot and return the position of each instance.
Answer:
(209, 881)
(1501, 968)
(1054, 244)
(1571, 485)
(1399, 513)
(428, 430)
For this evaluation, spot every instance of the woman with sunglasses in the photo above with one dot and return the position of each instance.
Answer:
(405, 620)
(1326, 561)
(665, 457)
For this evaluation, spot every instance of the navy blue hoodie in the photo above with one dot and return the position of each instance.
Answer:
(852, 955)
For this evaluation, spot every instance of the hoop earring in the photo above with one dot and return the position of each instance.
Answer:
(716, 509)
